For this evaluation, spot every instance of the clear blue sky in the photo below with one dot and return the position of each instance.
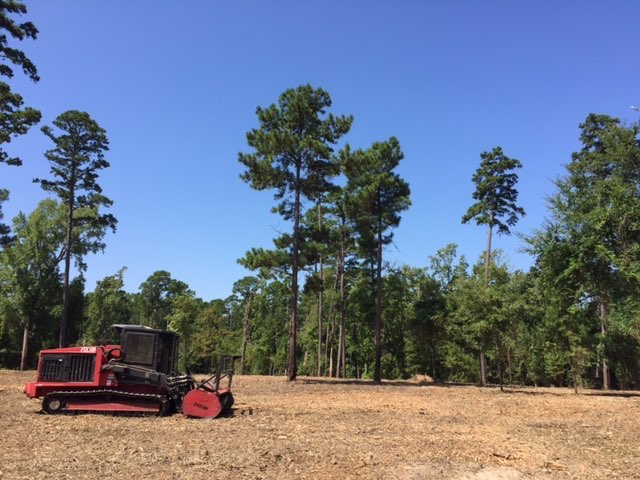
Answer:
(176, 85)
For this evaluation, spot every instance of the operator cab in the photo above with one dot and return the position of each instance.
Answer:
(149, 348)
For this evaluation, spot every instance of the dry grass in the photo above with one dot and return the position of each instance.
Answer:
(316, 428)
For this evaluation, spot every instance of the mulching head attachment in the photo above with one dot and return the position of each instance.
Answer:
(207, 399)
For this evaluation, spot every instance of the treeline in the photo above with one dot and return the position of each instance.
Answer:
(571, 320)
(323, 301)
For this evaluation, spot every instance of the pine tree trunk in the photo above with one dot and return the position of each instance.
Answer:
(604, 312)
(320, 327)
(500, 366)
(487, 254)
(487, 267)
(483, 369)
(574, 374)
(293, 326)
(342, 357)
(331, 336)
(377, 375)
(433, 361)
(327, 345)
(320, 301)
(331, 348)
(246, 331)
(25, 346)
(67, 267)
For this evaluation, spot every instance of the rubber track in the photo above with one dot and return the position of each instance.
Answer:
(161, 400)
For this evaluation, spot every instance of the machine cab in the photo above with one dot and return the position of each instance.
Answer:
(149, 348)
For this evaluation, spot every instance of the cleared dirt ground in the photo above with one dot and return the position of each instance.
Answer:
(316, 428)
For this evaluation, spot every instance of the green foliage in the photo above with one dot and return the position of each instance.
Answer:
(598, 206)
(108, 304)
(76, 159)
(15, 120)
(427, 326)
(589, 252)
(481, 316)
(495, 192)
(443, 268)
(242, 300)
(267, 352)
(461, 365)
(18, 31)
(398, 310)
(76, 310)
(29, 276)
(376, 196)
(471, 319)
(5, 230)
(182, 319)
(154, 302)
(215, 335)
(293, 147)
(270, 263)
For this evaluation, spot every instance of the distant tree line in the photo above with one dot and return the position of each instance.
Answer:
(323, 300)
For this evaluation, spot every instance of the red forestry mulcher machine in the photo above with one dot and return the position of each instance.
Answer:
(136, 377)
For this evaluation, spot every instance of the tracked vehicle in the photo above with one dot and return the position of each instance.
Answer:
(137, 377)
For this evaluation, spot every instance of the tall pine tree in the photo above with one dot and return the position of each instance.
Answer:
(495, 206)
(293, 154)
(76, 160)
(376, 196)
